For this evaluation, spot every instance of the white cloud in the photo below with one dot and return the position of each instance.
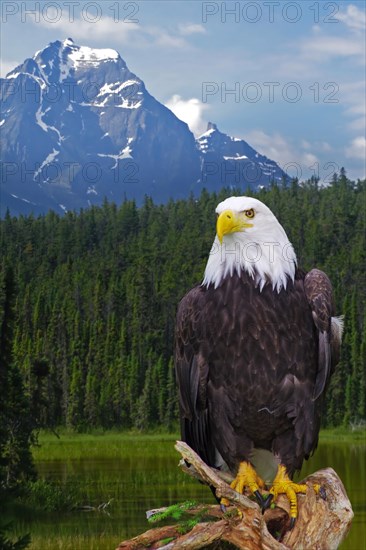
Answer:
(326, 47)
(190, 111)
(163, 38)
(357, 148)
(309, 159)
(324, 146)
(358, 124)
(289, 156)
(104, 29)
(353, 17)
(316, 60)
(273, 146)
(313, 56)
(6, 66)
(318, 145)
(186, 29)
(298, 161)
(353, 99)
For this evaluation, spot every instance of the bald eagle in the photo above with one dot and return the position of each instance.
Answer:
(256, 345)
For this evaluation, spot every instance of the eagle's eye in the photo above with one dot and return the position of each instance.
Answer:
(249, 213)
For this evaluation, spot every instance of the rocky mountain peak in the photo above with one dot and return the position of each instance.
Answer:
(78, 126)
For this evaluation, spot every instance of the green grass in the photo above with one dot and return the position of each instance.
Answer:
(114, 444)
(101, 445)
(75, 542)
(356, 435)
(51, 496)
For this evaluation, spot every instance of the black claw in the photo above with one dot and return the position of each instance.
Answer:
(223, 508)
(267, 502)
(259, 498)
(292, 523)
(323, 493)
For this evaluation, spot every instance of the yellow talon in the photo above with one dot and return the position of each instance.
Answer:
(224, 502)
(246, 477)
(282, 484)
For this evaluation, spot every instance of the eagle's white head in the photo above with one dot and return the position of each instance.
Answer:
(250, 238)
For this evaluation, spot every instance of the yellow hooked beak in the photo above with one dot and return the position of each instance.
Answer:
(230, 222)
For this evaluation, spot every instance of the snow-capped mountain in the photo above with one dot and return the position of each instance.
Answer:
(230, 161)
(78, 126)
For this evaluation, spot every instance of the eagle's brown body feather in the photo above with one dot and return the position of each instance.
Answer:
(252, 367)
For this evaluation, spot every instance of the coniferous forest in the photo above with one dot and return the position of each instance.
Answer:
(94, 296)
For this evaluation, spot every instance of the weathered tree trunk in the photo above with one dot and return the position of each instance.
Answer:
(321, 524)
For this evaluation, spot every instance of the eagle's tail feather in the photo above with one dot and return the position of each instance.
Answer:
(337, 326)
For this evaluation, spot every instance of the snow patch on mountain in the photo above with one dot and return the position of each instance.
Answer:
(12, 75)
(124, 154)
(50, 158)
(82, 54)
(126, 104)
(238, 157)
(21, 199)
(116, 87)
(39, 120)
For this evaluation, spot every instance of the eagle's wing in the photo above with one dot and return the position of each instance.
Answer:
(318, 291)
(192, 376)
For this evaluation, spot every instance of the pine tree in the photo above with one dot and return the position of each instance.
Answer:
(16, 423)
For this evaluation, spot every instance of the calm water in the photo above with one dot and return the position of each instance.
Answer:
(141, 480)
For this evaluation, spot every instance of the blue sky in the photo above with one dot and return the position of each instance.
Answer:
(289, 77)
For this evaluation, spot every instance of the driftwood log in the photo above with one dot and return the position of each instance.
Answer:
(321, 524)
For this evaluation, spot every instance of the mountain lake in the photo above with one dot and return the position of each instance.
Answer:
(135, 473)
